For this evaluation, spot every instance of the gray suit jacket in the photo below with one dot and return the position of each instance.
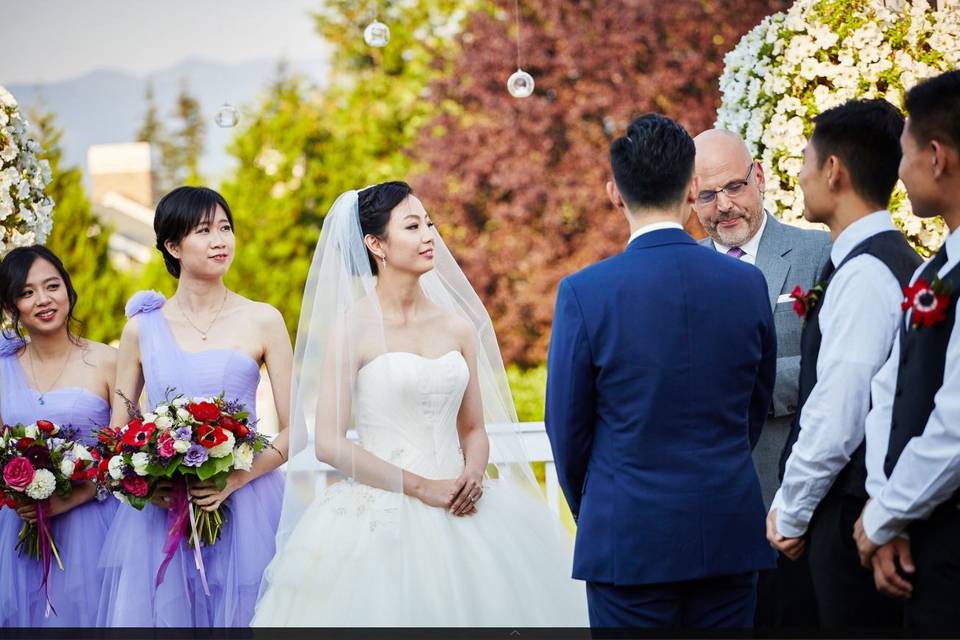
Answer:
(788, 256)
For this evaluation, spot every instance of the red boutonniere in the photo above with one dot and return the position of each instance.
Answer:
(805, 302)
(928, 302)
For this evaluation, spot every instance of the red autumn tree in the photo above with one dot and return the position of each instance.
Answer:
(517, 186)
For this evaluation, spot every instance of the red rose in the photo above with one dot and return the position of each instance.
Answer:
(234, 426)
(46, 426)
(210, 437)
(10, 502)
(799, 306)
(24, 443)
(103, 469)
(203, 411)
(136, 486)
(138, 435)
(79, 472)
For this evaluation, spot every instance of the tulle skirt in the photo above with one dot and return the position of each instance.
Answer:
(364, 557)
(75, 591)
(234, 566)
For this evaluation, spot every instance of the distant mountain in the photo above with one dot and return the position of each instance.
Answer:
(108, 106)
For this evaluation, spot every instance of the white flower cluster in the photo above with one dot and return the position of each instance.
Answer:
(26, 214)
(42, 485)
(817, 55)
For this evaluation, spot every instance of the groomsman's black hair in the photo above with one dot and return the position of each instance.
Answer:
(653, 163)
(375, 205)
(934, 109)
(180, 212)
(14, 271)
(865, 136)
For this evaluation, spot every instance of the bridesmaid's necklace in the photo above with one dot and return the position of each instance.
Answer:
(36, 382)
(203, 334)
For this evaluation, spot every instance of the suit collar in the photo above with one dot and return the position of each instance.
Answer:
(659, 238)
(770, 257)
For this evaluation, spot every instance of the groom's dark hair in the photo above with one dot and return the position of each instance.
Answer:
(865, 136)
(653, 163)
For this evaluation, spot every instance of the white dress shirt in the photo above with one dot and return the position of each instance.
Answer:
(859, 317)
(656, 226)
(750, 247)
(928, 471)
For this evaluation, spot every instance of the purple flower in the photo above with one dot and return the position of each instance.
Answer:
(184, 433)
(195, 456)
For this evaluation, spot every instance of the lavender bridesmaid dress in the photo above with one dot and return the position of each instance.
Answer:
(134, 548)
(79, 533)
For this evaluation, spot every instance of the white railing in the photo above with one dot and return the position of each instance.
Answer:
(533, 436)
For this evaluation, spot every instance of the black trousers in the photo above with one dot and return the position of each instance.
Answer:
(846, 595)
(785, 596)
(935, 547)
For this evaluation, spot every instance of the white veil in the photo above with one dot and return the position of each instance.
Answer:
(340, 330)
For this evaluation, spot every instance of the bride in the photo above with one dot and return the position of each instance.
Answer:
(397, 372)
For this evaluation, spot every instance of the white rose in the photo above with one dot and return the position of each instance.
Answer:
(223, 449)
(184, 416)
(180, 401)
(32, 431)
(66, 467)
(163, 422)
(162, 409)
(121, 497)
(115, 467)
(150, 417)
(140, 460)
(243, 457)
(42, 485)
(181, 446)
(81, 452)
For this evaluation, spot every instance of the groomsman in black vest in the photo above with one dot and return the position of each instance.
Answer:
(850, 321)
(909, 533)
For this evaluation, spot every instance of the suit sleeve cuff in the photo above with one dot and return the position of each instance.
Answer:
(879, 524)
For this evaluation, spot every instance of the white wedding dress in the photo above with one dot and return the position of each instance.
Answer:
(361, 556)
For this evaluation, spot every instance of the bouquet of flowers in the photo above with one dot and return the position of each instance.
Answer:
(38, 460)
(26, 213)
(181, 440)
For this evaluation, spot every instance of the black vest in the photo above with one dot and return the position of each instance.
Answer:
(923, 357)
(892, 249)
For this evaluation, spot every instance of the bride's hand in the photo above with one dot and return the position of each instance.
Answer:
(437, 493)
(469, 490)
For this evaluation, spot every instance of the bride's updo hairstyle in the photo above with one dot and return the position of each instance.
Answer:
(180, 212)
(375, 204)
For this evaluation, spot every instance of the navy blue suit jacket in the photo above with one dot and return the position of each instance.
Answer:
(660, 376)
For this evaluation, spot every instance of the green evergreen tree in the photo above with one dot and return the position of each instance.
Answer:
(188, 139)
(81, 241)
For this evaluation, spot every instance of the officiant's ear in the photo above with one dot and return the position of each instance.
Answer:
(614, 194)
(693, 190)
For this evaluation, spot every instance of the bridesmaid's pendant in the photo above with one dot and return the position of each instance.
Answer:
(41, 399)
(203, 337)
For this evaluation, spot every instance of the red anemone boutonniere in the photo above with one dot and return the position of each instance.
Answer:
(806, 301)
(928, 302)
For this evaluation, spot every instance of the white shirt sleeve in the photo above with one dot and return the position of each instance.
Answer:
(928, 471)
(878, 420)
(858, 322)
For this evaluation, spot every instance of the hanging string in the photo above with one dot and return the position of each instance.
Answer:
(516, 13)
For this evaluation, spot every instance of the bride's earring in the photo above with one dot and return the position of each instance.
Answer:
(383, 261)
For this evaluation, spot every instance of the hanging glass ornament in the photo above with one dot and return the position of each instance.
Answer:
(520, 84)
(376, 34)
(227, 116)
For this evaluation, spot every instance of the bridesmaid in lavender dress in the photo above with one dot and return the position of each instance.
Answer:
(59, 377)
(203, 341)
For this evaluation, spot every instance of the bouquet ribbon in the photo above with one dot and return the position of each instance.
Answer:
(48, 550)
(179, 514)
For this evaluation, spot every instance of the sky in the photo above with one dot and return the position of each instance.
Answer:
(47, 41)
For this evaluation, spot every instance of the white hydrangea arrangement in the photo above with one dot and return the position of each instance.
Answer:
(26, 213)
(817, 55)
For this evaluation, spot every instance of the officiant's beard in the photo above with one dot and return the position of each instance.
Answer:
(737, 235)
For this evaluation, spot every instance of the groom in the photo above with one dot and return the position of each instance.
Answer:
(660, 375)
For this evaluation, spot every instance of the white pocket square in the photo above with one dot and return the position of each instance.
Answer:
(786, 297)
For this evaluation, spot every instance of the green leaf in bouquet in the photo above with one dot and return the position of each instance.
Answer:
(166, 470)
(213, 466)
(137, 503)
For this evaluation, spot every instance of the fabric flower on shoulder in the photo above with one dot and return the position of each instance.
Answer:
(144, 302)
(10, 343)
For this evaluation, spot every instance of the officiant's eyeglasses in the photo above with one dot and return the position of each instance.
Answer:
(731, 190)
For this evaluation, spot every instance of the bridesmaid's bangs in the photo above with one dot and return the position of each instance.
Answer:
(180, 212)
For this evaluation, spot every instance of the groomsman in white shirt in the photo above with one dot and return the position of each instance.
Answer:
(913, 430)
(850, 321)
